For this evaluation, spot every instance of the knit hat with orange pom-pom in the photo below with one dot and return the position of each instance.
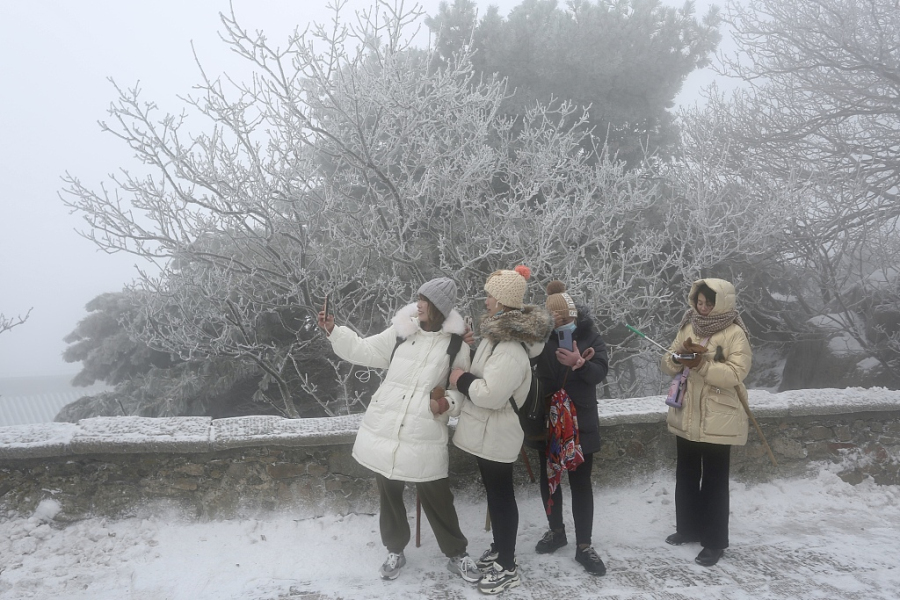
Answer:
(508, 287)
(559, 302)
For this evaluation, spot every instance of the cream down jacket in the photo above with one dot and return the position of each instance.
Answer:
(712, 411)
(399, 437)
(488, 426)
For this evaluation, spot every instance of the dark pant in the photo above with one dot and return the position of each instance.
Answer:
(501, 500)
(701, 492)
(437, 502)
(582, 499)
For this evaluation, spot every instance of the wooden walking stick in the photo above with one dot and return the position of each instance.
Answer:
(742, 396)
(418, 520)
(527, 464)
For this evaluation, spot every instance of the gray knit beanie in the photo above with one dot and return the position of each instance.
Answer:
(441, 292)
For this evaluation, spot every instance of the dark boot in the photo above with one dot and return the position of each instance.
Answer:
(591, 561)
(708, 557)
(677, 539)
(552, 541)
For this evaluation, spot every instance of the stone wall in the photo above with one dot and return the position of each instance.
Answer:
(229, 468)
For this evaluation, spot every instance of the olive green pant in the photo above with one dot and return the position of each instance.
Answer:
(437, 502)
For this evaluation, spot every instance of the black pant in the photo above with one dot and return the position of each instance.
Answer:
(501, 499)
(582, 499)
(701, 492)
(437, 502)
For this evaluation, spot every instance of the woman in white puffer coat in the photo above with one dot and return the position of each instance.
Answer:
(403, 436)
(488, 426)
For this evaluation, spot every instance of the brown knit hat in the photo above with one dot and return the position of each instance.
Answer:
(559, 302)
(508, 287)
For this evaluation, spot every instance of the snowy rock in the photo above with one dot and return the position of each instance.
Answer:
(47, 510)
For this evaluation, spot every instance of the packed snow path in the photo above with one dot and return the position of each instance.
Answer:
(813, 537)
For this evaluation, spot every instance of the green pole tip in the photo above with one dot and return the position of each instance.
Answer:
(634, 330)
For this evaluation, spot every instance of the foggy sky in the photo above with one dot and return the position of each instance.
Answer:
(56, 57)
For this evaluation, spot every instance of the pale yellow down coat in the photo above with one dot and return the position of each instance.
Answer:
(399, 437)
(712, 411)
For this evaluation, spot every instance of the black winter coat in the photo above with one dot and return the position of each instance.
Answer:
(581, 384)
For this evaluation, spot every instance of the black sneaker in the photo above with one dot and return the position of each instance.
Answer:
(552, 541)
(591, 561)
(677, 539)
(488, 558)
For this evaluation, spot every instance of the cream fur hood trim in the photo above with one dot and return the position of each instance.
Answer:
(406, 322)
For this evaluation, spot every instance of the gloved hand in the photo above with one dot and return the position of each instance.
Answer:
(439, 403)
(688, 347)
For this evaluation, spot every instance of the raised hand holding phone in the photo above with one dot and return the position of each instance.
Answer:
(565, 339)
(469, 335)
(325, 320)
(569, 358)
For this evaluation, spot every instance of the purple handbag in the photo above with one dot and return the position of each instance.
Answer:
(675, 397)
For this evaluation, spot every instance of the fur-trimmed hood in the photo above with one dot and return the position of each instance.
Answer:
(531, 324)
(406, 322)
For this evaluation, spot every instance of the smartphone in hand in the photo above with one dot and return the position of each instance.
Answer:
(565, 339)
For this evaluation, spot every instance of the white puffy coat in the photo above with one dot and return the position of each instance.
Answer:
(488, 426)
(399, 437)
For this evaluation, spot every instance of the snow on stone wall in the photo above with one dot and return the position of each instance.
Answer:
(225, 468)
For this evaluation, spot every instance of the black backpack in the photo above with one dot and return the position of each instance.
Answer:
(533, 412)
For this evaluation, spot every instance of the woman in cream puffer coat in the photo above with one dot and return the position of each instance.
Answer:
(403, 436)
(712, 417)
(399, 437)
(488, 426)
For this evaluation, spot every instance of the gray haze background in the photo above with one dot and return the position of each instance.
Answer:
(56, 58)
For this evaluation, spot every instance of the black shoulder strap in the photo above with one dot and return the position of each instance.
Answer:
(400, 340)
(452, 349)
(455, 344)
(512, 401)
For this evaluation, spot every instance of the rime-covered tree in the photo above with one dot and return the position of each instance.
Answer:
(817, 121)
(354, 164)
(7, 323)
(625, 59)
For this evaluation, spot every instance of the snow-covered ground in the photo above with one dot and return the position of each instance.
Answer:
(814, 537)
(809, 537)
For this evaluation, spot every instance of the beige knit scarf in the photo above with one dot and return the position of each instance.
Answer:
(706, 326)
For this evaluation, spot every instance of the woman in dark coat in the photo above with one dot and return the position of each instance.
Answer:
(578, 372)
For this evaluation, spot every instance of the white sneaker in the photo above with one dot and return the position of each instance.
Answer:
(392, 565)
(465, 567)
(498, 579)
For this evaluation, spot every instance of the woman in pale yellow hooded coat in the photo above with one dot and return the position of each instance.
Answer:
(712, 417)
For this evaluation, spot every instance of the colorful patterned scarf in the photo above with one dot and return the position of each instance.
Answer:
(563, 445)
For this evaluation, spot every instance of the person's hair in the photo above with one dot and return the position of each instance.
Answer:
(435, 317)
(707, 292)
